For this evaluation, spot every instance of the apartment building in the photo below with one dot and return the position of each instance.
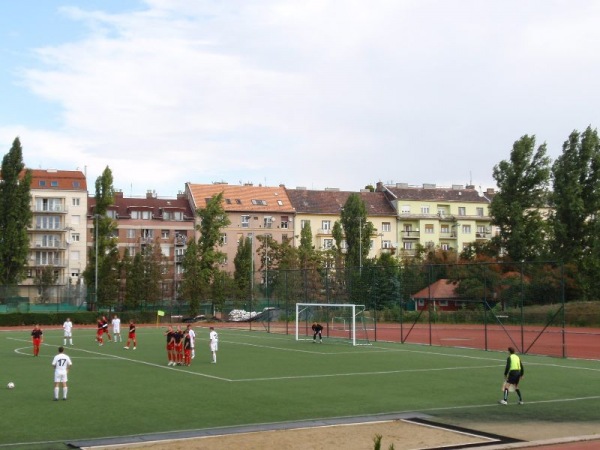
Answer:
(141, 221)
(439, 217)
(322, 208)
(57, 234)
(252, 210)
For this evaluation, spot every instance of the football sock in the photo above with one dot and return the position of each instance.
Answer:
(65, 391)
(55, 392)
(505, 394)
(519, 394)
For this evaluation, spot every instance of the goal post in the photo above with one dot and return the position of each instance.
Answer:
(354, 328)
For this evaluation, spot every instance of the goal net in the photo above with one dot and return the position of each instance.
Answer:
(343, 321)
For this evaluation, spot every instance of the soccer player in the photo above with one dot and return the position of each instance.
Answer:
(317, 330)
(116, 326)
(131, 335)
(178, 337)
(187, 348)
(513, 372)
(68, 332)
(105, 327)
(61, 363)
(100, 332)
(170, 334)
(190, 331)
(214, 344)
(37, 337)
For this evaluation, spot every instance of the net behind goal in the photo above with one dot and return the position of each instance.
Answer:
(343, 321)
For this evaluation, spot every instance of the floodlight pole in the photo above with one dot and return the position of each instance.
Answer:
(96, 217)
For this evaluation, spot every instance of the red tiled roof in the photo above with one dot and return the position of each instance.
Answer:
(243, 198)
(124, 205)
(440, 290)
(331, 202)
(65, 180)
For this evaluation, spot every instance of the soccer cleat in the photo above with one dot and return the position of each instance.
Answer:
(126, 348)
(55, 399)
(134, 348)
(520, 402)
(65, 398)
(503, 402)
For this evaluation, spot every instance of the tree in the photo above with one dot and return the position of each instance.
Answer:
(523, 193)
(192, 283)
(15, 215)
(44, 280)
(576, 203)
(357, 229)
(105, 245)
(243, 267)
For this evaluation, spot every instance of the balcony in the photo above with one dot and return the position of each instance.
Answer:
(59, 209)
(54, 245)
(410, 234)
(324, 231)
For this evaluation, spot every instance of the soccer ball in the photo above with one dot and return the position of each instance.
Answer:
(10, 385)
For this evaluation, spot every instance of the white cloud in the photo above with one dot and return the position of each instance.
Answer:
(315, 93)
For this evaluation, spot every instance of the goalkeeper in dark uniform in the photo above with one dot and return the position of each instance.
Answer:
(317, 330)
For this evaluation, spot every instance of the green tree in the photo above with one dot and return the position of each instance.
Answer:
(105, 245)
(357, 229)
(45, 279)
(192, 284)
(523, 193)
(15, 216)
(576, 203)
(243, 267)
(153, 263)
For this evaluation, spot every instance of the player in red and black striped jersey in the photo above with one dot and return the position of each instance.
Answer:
(37, 337)
(105, 327)
(187, 348)
(131, 335)
(170, 334)
(178, 346)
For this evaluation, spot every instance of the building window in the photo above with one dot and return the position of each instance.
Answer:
(164, 234)
(445, 229)
(75, 201)
(111, 213)
(259, 202)
(327, 244)
(134, 214)
(47, 222)
(42, 183)
(75, 274)
(405, 209)
(480, 212)
(130, 233)
(223, 239)
(177, 215)
(408, 245)
(132, 250)
(428, 229)
(284, 222)
(47, 259)
(245, 221)
(424, 209)
(146, 215)
(466, 229)
(326, 225)
(147, 233)
(445, 247)
(462, 211)
(386, 226)
(75, 237)
(76, 184)
(268, 221)
(54, 183)
(49, 204)
(386, 244)
(304, 223)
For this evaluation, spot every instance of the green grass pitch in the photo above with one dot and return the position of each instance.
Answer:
(268, 378)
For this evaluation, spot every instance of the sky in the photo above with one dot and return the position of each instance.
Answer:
(313, 93)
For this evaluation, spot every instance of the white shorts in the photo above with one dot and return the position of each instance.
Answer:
(116, 331)
(214, 346)
(60, 377)
(68, 334)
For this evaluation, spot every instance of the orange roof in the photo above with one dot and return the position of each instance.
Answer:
(242, 198)
(66, 180)
(440, 290)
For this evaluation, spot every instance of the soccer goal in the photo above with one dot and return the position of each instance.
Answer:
(330, 315)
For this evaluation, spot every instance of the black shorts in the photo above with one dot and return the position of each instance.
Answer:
(513, 377)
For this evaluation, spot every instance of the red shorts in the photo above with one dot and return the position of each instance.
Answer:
(131, 335)
(37, 342)
(170, 346)
(179, 347)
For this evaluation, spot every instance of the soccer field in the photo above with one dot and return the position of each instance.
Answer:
(268, 378)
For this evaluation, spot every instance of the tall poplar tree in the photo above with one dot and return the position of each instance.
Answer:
(576, 205)
(15, 215)
(523, 192)
(357, 229)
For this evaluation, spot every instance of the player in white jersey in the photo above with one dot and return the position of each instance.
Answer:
(61, 363)
(68, 332)
(116, 325)
(214, 344)
(192, 334)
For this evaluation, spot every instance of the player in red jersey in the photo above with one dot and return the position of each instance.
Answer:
(187, 348)
(131, 335)
(170, 334)
(178, 336)
(105, 327)
(100, 332)
(37, 336)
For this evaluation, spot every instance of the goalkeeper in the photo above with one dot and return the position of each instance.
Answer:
(513, 373)
(318, 331)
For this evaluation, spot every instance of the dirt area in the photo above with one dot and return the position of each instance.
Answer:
(403, 435)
